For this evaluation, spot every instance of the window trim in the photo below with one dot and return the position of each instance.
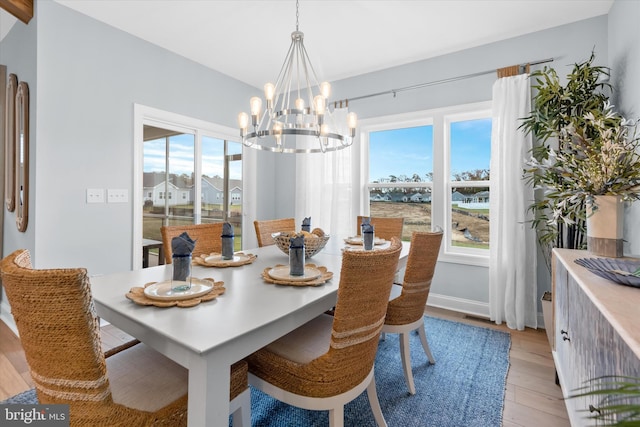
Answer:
(143, 115)
(439, 118)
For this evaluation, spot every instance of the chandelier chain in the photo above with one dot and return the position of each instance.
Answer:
(297, 15)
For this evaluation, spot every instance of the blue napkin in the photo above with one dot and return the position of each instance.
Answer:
(296, 241)
(182, 245)
(367, 228)
(227, 229)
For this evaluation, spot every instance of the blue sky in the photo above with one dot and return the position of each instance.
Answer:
(409, 151)
(181, 156)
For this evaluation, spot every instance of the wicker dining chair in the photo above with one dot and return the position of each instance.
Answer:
(329, 361)
(264, 229)
(207, 237)
(405, 312)
(384, 228)
(59, 332)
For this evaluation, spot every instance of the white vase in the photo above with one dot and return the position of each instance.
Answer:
(605, 226)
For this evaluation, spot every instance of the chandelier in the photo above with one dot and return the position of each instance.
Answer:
(296, 119)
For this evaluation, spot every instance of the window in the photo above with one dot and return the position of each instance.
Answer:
(401, 174)
(184, 184)
(468, 140)
(432, 168)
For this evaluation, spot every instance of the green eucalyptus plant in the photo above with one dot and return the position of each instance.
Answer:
(571, 123)
(600, 157)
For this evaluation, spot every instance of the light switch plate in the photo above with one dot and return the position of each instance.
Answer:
(95, 195)
(116, 195)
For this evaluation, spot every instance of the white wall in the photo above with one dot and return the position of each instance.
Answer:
(624, 55)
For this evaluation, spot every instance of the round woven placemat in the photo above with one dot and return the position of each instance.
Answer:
(136, 294)
(247, 259)
(325, 277)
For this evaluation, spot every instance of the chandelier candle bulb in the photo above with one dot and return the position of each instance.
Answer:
(243, 123)
(352, 121)
(325, 89)
(269, 92)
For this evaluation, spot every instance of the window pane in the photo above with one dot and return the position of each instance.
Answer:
(213, 185)
(166, 194)
(234, 152)
(413, 204)
(470, 148)
(401, 155)
(181, 169)
(470, 217)
(212, 179)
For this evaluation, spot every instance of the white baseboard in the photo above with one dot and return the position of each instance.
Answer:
(475, 308)
(466, 306)
(6, 317)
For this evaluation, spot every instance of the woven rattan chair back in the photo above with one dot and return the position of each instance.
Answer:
(54, 316)
(421, 264)
(366, 278)
(405, 312)
(207, 237)
(384, 228)
(329, 361)
(59, 332)
(264, 229)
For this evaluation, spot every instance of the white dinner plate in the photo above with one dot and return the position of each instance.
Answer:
(217, 259)
(357, 240)
(282, 273)
(163, 291)
(360, 249)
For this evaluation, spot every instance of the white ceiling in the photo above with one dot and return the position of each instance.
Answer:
(248, 39)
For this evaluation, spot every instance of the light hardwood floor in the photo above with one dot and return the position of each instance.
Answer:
(531, 399)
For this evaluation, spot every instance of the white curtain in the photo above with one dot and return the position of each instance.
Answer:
(512, 265)
(324, 188)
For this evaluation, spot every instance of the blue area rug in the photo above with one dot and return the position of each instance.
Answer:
(465, 388)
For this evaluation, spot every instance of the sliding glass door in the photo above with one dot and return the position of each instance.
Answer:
(188, 177)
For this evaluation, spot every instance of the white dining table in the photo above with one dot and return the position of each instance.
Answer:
(209, 337)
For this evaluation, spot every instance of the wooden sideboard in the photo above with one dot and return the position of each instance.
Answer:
(596, 330)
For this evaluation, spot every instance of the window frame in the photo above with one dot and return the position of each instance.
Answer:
(441, 185)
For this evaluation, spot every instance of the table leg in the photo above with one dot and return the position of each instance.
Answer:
(145, 256)
(209, 384)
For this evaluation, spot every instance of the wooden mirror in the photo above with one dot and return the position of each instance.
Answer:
(10, 143)
(22, 156)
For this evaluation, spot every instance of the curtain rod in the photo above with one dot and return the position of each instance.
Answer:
(437, 82)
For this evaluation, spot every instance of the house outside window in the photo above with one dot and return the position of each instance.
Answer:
(432, 168)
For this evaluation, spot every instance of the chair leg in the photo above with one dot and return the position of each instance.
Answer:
(425, 344)
(336, 416)
(405, 355)
(372, 394)
(383, 336)
(241, 416)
